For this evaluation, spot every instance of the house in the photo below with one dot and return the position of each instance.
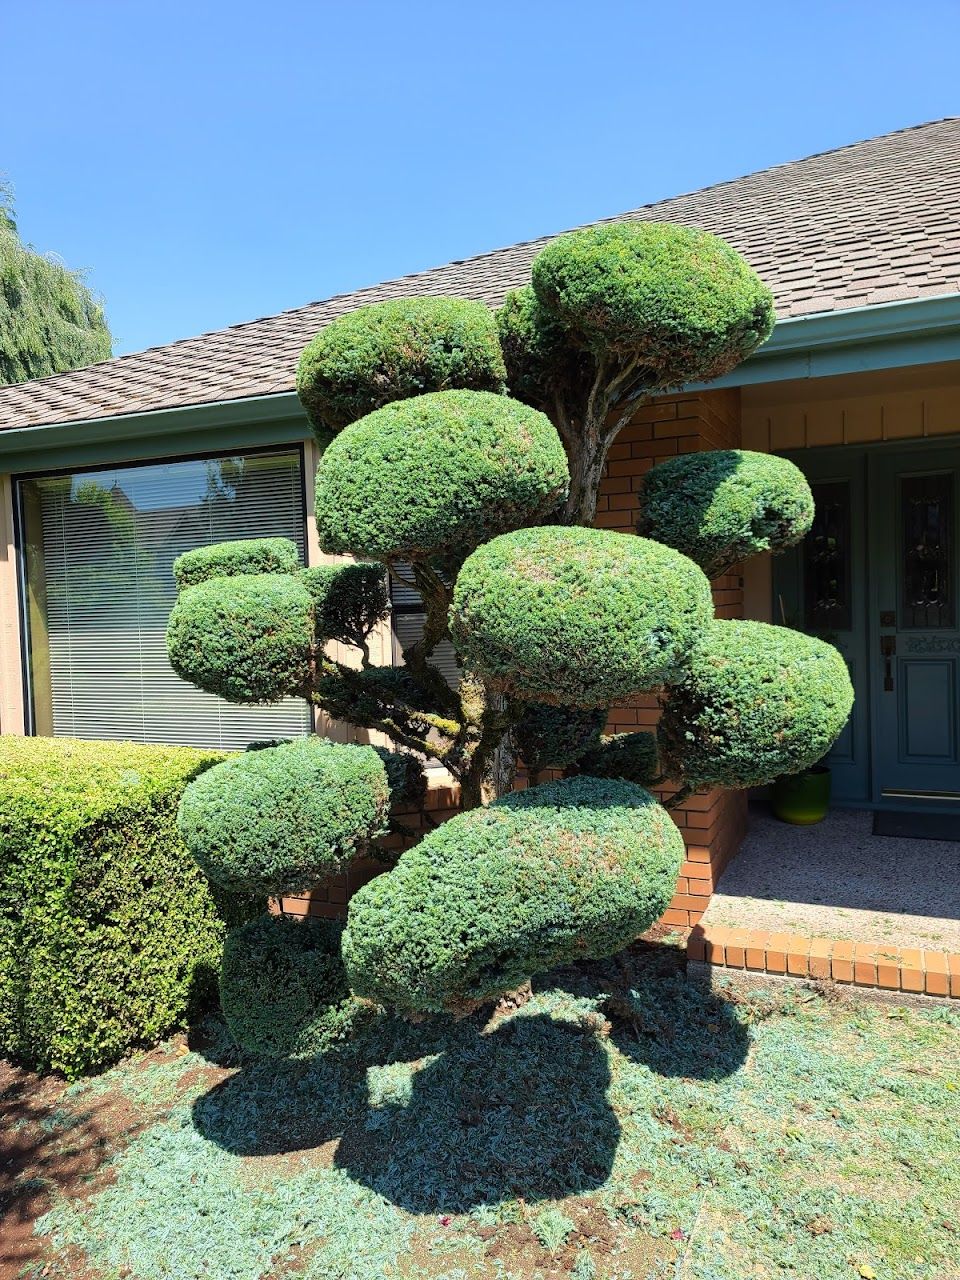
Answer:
(107, 473)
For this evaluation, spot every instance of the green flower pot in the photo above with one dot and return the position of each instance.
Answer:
(802, 798)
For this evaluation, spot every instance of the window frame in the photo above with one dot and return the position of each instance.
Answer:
(21, 479)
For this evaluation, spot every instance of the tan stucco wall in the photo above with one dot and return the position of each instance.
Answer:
(11, 680)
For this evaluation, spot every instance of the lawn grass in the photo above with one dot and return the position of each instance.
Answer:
(622, 1124)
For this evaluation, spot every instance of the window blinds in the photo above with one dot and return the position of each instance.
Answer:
(100, 552)
(408, 620)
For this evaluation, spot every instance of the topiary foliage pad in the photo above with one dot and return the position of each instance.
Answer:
(551, 737)
(723, 505)
(579, 616)
(431, 478)
(756, 702)
(247, 638)
(562, 871)
(394, 350)
(680, 301)
(226, 559)
(278, 820)
(283, 989)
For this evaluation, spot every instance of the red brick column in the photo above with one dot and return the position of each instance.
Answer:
(713, 824)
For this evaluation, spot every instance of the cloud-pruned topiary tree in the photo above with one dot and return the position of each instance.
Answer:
(434, 476)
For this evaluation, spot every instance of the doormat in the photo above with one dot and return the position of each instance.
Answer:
(916, 826)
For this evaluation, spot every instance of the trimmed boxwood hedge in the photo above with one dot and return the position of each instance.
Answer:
(283, 990)
(435, 476)
(277, 820)
(582, 617)
(109, 935)
(394, 350)
(756, 701)
(723, 505)
(559, 872)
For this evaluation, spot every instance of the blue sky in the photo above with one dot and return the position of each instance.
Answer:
(211, 162)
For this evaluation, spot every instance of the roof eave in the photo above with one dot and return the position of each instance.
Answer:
(855, 340)
(885, 335)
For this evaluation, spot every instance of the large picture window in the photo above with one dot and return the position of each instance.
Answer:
(98, 553)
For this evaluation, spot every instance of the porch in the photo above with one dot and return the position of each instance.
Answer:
(835, 901)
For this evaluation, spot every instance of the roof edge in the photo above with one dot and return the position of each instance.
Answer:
(856, 339)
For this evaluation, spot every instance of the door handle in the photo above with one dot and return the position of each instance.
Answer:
(888, 649)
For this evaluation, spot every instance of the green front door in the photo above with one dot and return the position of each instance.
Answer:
(878, 576)
(914, 625)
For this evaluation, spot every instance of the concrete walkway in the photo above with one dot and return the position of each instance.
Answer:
(838, 880)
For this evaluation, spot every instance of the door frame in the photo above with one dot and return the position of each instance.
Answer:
(859, 464)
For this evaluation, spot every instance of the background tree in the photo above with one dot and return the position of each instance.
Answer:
(482, 501)
(49, 319)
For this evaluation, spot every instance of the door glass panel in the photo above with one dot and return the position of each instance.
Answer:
(926, 515)
(826, 561)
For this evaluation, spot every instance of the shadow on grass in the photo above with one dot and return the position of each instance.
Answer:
(445, 1116)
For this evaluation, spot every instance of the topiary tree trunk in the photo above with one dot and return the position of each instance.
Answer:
(481, 501)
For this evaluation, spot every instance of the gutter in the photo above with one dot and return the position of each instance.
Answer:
(888, 335)
(856, 340)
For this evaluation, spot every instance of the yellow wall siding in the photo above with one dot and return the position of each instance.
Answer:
(864, 408)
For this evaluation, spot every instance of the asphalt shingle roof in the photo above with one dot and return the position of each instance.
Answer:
(877, 221)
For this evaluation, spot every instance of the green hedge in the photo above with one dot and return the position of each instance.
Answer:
(109, 935)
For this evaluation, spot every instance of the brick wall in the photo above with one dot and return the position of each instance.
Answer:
(713, 824)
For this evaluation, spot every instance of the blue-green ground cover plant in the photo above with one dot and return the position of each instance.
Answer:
(624, 1124)
(462, 454)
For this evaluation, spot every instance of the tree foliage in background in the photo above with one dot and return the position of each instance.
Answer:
(478, 498)
(49, 320)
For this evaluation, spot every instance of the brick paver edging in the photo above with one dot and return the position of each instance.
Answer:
(862, 964)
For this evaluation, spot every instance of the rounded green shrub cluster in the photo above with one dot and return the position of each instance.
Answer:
(283, 989)
(278, 820)
(542, 877)
(756, 701)
(632, 756)
(395, 350)
(225, 559)
(551, 737)
(405, 777)
(721, 506)
(435, 476)
(681, 301)
(247, 638)
(348, 599)
(579, 616)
